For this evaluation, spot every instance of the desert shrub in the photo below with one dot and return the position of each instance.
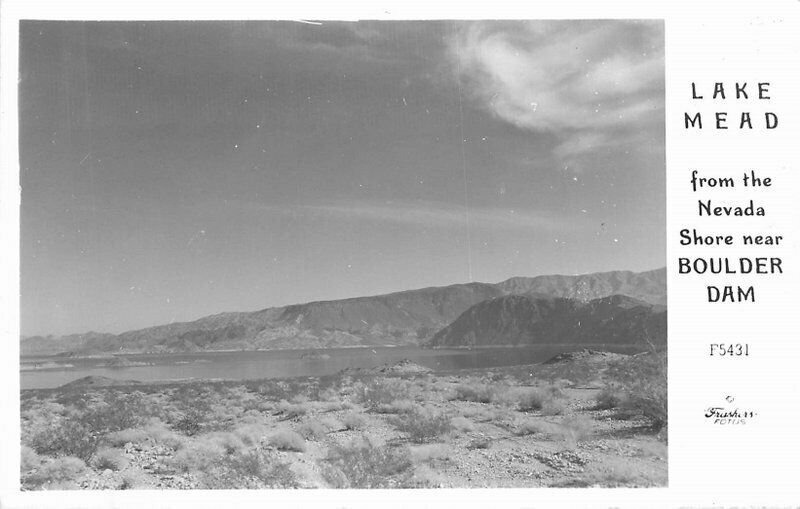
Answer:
(528, 427)
(397, 406)
(230, 442)
(424, 476)
(197, 455)
(354, 420)
(249, 470)
(133, 479)
(38, 416)
(158, 432)
(475, 413)
(333, 406)
(556, 389)
(66, 438)
(328, 394)
(293, 410)
(276, 390)
(361, 464)
(530, 398)
(287, 440)
(611, 396)
(479, 443)
(125, 436)
(80, 433)
(476, 392)
(299, 398)
(28, 459)
(423, 424)
(611, 476)
(430, 452)
(498, 416)
(619, 475)
(643, 380)
(312, 430)
(554, 407)
(191, 423)
(60, 470)
(251, 434)
(462, 423)
(331, 424)
(108, 458)
(575, 428)
(382, 391)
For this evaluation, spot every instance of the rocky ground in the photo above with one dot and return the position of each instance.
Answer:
(570, 422)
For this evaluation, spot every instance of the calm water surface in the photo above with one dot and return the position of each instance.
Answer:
(278, 363)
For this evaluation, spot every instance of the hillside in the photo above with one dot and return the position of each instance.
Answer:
(407, 317)
(649, 286)
(539, 319)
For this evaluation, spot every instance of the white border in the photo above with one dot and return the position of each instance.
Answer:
(706, 41)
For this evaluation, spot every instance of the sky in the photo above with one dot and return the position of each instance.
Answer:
(172, 170)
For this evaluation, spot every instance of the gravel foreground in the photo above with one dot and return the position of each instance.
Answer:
(578, 420)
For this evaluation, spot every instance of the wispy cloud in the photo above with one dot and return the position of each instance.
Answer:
(430, 214)
(362, 41)
(596, 85)
(562, 75)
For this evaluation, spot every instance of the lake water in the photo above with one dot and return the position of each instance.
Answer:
(278, 363)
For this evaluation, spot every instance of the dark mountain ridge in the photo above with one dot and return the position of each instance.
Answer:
(535, 318)
(406, 317)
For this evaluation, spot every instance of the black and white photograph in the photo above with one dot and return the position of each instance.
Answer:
(310, 254)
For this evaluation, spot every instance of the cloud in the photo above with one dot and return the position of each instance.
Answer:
(562, 75)
(363, 41)
(431, 214)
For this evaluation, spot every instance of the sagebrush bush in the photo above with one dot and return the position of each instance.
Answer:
(361, 464)
(610, 397)
(423, 424)
(531, 398)
(330, 423)
(333, 406)
(287, 440)
(230, 442)
(249, 470)
(197, 456)
(293, 410)
(80, 432)
(191, 422)
(499, 416)
(66, 438)
(328, 394)
(397, 406)
(159, 433)
(430, 452)
(383, 391)
(575, 428)
(643, 380)
(125, 436)
(354, 420)
(554, 407)
(476, 392)
(60, 470)
(312, 430)
(134, 478)
(28, 459)
(251, 434)
(108, 458)
(534, 398)
(462, 423)
(479, 443)
(528, 427)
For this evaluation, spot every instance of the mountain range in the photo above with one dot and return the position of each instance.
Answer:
(539, 319)
(613, 307)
